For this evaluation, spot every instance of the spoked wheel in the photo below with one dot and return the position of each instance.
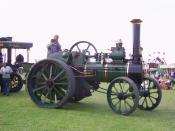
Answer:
(84, 47)
(150, 94)
(16, 83)
(50, 83)
(123, 95)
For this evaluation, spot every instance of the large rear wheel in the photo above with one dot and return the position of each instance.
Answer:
(50, 83)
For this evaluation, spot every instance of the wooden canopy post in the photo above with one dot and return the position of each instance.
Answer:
(28, 55)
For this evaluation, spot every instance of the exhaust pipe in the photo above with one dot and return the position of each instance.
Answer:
(136, 41)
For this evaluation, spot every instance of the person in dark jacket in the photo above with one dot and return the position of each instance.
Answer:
(54, 45)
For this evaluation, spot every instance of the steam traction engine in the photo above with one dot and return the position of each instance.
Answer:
(8, 46)
(72, 74)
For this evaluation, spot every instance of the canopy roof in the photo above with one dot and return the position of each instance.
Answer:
(16, 45)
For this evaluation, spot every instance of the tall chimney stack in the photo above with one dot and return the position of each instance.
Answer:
(136, 40)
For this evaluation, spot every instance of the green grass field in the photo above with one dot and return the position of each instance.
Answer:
(19, 113)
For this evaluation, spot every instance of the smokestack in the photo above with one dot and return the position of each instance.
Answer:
(136, 40)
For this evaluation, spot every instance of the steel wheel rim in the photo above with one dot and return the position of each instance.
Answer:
(49, 84)
(150, 94)
(15, 83)
(122, 96)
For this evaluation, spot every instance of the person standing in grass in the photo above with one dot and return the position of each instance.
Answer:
(1, 83)
(6, 71)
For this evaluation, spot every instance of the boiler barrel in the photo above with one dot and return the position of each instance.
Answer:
(106, 72)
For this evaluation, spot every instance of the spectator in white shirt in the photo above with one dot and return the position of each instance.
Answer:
(6, 71)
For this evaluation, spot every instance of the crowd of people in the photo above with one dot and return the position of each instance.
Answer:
(165, 79)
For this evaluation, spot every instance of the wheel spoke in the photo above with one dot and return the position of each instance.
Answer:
(120, 86)
(119, 105)
(124, 83)
(63, 79)
(87, 47)
(115, 89)
(127, 103)
(151, 101)
(58, 92)
(58, 75)
(146, 102)
(113, 93)
(62, 91)
(40, 88)
(127, 90)
(44, 76)
(125, 110)
(153, 97)
(50, 94)
(43, 91)
(61, 84)
(56, 98)
(47, 94)
(78, 48)
(143, 101)
(50, 74)
(116, 103)
(114, 98)
(130, 98)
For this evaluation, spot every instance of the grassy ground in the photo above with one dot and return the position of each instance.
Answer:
(18, 113)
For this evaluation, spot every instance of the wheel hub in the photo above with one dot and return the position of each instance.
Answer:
(121, 96)
(50, 83)
(145, 93)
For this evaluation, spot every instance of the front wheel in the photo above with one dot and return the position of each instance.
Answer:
(123, 95)
(150, 94)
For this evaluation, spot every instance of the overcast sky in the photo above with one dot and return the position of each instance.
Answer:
(100, 22)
